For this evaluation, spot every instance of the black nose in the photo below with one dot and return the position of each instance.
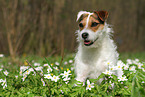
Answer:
(85, 35)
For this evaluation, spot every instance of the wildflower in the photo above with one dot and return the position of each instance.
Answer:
(65, 74)
(6, 72)
(112, 67)
(43, 82)
(66, 79)
(1, 55)
(39, 68)
(24, 77)
(108, 72)
(89, 85)
(139, 65)
(36, 64)
(4, 84)
(31, 69)
(48, 76)
(56, 68)
(129, 61)
(56, 63)
(16, 76)
(27, 72)
(23, 68)
(55, 78)
(49, 70)
(70, 61)
(51, 64)
(65, 63)
(126, 67)
(120, 64)
(108, 63)
(122, 78)
(61, 91)
(1, 69)
(132, 68)
(45, 65)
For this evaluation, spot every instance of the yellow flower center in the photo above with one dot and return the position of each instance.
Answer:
(107, 72)
(118, 66)
(48, 76)
(65, 74)
(67, 69)
(51, 74)
(54, 77)
(89, 86)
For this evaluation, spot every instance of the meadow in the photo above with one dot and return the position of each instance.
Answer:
(52, 76)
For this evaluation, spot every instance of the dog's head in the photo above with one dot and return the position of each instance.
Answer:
(91, 26)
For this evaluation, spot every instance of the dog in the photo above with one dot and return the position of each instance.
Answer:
(95, 45)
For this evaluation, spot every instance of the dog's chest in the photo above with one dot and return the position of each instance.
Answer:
(90, 57)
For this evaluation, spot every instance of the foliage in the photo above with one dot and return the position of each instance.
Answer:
(24, 81)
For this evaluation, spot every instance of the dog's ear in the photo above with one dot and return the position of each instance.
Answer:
(103, 15)
(80, 15)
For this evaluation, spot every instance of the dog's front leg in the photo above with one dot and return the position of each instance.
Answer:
(82, 71)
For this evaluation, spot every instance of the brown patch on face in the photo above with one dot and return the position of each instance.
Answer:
(82, 21)
(94, 23)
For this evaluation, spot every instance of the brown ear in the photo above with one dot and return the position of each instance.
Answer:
(103, 15)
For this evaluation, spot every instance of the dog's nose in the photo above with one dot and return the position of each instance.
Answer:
(85, 35)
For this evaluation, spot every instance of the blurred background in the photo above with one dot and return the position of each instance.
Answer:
(47, 27)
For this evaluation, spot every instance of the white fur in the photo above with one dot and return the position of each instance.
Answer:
(90, 60)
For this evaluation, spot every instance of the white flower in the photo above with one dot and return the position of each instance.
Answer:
(31, 69)
(132, 68)
(48, 76)
(55, 78)
(1, 69)
(139, 65)
(122, 78)
(42, 82)
(6, 72)
(89, 85)
(27, 72)
(56, 68)
(66, 79)
(39, 68)
(23, 68)
(1, 80)
(16, 76)
(1, 55)
(70, 61)
(36, 64)
(126, 67)
(61, 91)
(45, 65)
(129, 61)
(65, 74)
(108, 72)
(24, 77)
(120, 64)
(4, 83)
(49, 70)
(56, 63)
(143, 69)
(112, 67)
(65, 63)
(108, 63)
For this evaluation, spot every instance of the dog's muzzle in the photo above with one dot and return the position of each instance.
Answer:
(86, 41)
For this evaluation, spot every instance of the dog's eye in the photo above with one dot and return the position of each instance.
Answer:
(81, 25)
(94, 24)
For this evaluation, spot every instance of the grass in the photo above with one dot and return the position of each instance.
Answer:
(23, 81)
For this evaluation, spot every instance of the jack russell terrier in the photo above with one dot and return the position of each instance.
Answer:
(95, 45)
